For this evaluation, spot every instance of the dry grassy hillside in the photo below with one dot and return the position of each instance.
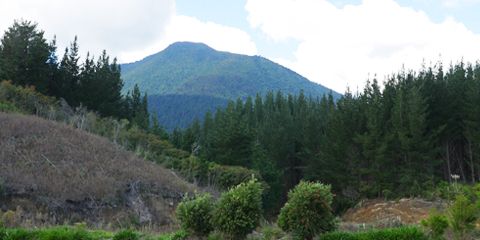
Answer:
(51, 173)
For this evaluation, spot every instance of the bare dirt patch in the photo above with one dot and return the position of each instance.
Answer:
(381, 213)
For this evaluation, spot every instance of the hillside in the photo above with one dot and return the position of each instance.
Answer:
(190, 71)
(52, 173)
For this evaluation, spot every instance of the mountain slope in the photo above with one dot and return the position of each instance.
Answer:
(194, 69)
(57, 174)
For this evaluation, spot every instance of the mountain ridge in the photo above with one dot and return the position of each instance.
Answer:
(195, 69)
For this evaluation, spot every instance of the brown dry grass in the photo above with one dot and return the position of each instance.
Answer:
(53, 161)
(381, 213)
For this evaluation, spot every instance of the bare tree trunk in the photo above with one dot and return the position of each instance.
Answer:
(449, 175)
(472, 167)
(459, 158)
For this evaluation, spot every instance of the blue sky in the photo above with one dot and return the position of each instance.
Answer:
(337, 43)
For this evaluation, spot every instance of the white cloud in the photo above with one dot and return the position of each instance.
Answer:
(185, 28)
(118, 26)
(457, 3)
(127, 29)
(341, 47)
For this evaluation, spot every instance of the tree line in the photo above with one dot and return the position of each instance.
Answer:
(27, 58)
(398, 139)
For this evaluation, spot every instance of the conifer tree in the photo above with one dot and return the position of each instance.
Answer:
(25, 55)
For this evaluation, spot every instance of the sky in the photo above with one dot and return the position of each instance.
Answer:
(337, 43)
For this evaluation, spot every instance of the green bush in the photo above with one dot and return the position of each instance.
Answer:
(215, 236)
(126, 235)
(409, 233)
(64, 233)
(26, 99)
(462, 216)
(17, 234)
(195, 215)
(8, 107)
(308, 210)
(436, 224)
(228, 176)
(239, 210)
(178, 235)
(270, 233)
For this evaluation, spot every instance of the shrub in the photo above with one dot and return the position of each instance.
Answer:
(308, 210)
(462, 216)
(16, 234)
(436, 224)
(179, 235)
(63, 233)
(195, 215)
(271, 233)
(239, 210)
(55, 233)
(3, 232)
(26, 99)
(8, 107)
(228, 176)
(409, 233)
(126, 235)
(215, 236)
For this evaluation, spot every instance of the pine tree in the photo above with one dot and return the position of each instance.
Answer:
(66, 85)
(25, 56)
(110, 100)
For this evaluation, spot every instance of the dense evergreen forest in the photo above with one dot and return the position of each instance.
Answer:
(28, 59)
(390, 140)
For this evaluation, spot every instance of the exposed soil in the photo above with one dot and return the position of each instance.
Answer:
(381, 213)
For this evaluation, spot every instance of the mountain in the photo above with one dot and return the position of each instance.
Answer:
(186, 72)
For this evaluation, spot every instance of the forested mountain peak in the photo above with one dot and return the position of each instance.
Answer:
(186, 70)
(196, 69)
(188, 47)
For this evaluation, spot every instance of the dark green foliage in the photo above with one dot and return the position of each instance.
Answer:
(178, 111)
(207, 173)
(239, 210)
(8, 107)
(195, 215)
(436, 224)
(27, 59)
(126, 235)
(137, 110)
(308, 211)
(422, 123)
(409, 233)
(225, 177)
(25, 56)
(95, 85)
